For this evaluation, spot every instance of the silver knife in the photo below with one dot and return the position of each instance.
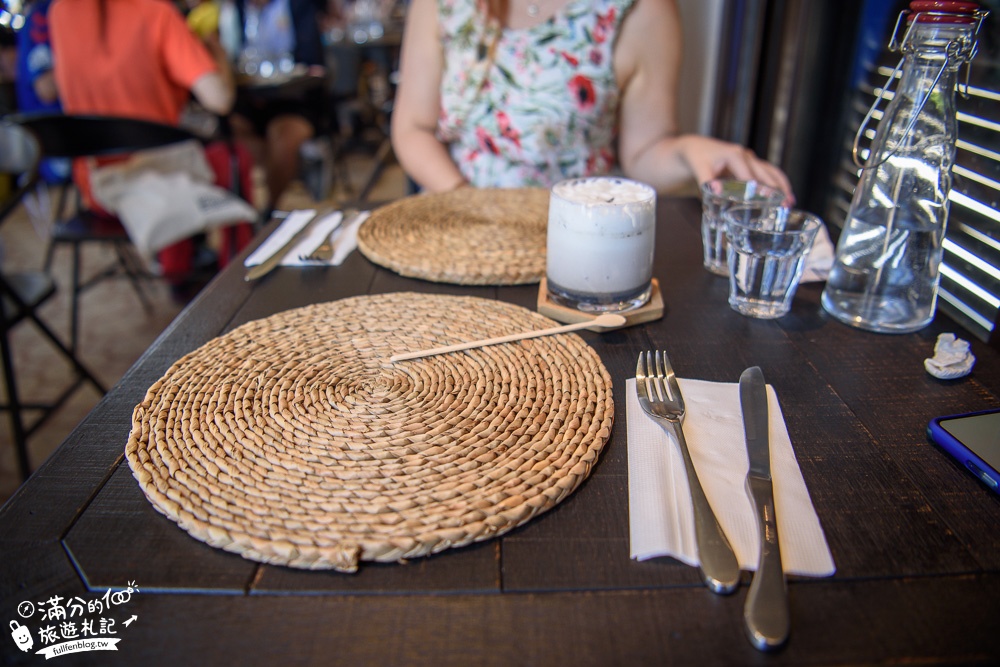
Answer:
(272, 262)
(765, 614)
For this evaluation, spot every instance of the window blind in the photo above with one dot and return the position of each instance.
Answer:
(970, 275)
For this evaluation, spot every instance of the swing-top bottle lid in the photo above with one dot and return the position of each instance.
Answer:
(942, 11)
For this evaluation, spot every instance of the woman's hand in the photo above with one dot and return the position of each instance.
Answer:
(709, 158)
(647, 66)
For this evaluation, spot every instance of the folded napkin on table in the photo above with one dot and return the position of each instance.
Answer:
(345, 239)
(661, 516)
(819, 261)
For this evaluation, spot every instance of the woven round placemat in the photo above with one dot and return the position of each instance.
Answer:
(294, 440)
(469, 236)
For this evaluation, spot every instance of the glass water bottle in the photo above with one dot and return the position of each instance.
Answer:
(885, 276)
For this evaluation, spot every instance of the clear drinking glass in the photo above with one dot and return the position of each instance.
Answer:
(600, 244)
(716, 197)
(766, 256)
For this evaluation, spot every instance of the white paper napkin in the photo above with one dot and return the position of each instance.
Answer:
(346, 238)
(288, 228)
(819, 261)
(661, 519)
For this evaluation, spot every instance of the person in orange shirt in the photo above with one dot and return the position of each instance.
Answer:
(136, 59)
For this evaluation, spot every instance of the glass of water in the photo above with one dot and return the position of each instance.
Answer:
(766, 256)
(716, 198)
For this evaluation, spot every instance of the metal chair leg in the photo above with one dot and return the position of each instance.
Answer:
(74, 304)
(131, 267)
(14, 405)
(67, 352)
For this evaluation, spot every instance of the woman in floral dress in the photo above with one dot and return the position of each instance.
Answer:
(510, 93)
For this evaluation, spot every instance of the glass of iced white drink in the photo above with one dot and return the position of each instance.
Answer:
(600, 243)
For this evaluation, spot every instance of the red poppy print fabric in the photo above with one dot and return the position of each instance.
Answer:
(544, 108)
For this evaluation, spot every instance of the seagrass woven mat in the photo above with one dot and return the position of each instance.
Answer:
(293, 439)
(469, 236)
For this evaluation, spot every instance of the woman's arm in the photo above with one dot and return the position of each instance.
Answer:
(216, 91)
(647, 66)
(418, 103)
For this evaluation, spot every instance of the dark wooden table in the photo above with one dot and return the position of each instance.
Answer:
(914, 537)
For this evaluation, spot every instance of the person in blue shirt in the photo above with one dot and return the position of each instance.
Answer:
(36, 86)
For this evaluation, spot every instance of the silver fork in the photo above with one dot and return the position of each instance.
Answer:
(660, 397)
(324, 251)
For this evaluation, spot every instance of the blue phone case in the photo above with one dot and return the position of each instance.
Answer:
(961, 452)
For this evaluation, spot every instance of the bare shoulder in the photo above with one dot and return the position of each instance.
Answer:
(650, 32)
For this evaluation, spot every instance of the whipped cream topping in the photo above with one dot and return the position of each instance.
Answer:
(603, 190)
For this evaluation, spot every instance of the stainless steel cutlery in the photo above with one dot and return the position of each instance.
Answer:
(324, 251)
(660, 396)
(765, 615)
(272, 262)
(766, 612)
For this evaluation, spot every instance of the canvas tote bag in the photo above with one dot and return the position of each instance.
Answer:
(166, 194)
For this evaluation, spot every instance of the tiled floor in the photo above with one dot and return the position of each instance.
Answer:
(115, 330)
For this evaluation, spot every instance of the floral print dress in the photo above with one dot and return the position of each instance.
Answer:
(544, 107)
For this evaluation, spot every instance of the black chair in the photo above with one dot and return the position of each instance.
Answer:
(22, 294)
(69, 136)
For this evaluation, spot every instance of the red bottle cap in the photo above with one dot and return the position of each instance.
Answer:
(942, 11)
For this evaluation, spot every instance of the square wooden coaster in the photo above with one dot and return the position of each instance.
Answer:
(653, 310)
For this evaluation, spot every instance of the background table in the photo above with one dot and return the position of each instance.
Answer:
(914, 536)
